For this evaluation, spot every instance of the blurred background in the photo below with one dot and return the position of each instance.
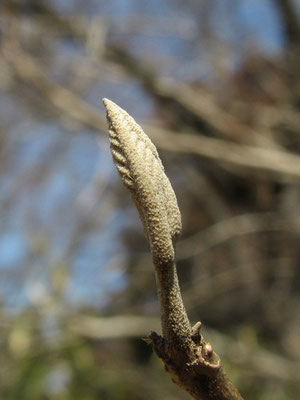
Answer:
(216, 85)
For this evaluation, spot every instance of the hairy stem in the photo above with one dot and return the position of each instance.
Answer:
(175, 324)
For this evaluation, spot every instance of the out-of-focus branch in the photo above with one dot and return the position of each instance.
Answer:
(41, 9)
(260, 363)
(197, 109)
(268, 160)
(291, 25)
(28, 69)
(118, 327)
(230, 227)
(282, 165)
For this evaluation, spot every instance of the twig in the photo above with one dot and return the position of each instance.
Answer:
(190, 360)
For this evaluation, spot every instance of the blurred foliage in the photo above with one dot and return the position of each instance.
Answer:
(77, 285)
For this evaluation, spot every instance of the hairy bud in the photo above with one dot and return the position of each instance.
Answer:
(142, 172)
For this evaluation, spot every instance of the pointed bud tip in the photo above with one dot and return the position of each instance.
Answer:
(106, 102)
(110, 106)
